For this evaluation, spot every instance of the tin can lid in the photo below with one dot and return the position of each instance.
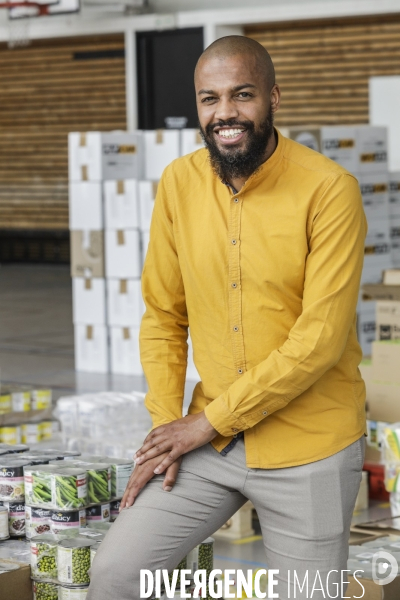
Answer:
(76, 543)
(209, 540)
(4, 566)
(18, 448)
(13, 463)
(3, 509)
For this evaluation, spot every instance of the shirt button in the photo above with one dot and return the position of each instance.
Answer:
(236, 328)
(234, 429)
(233, 242)
(240, 371)
(236, 200)
(234, 285)
(265, 412)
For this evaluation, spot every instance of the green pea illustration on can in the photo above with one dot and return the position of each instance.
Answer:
(73, 557)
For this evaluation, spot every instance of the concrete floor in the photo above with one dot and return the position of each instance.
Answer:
(37, 347)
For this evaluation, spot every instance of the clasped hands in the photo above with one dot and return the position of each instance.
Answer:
(162, 451)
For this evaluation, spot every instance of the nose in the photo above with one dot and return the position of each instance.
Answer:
(226, 109)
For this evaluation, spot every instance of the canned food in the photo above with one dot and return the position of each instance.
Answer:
(69, 488)
(20, 398)
(5, 403)
(10, 434)
(75, 593)
(45, 591)
(114, 509)
(6, 448)
(12, 479)
(68, 522)
(36, 459)
(37, 521)
(121, 470)
(16, 518)
(40, 399)
(96, 535)
(99, 482)
(37, 481)
(71, 454)
(93, 550)
(44, 556)
(4, 532)
(46, 430)
(103, 526)
(30, 433)
(19, 449)
(73, 557)
(100, 512)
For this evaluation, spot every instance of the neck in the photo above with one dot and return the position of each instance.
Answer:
(238, 182)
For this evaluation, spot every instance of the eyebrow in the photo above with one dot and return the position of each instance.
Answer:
(237, 88)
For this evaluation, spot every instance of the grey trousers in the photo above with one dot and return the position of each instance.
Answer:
(304, 512)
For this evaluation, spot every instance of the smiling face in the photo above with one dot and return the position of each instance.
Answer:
(235, 104)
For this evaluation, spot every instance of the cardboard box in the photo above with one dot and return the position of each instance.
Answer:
(366, 326)
(125, 306)
(383, 401)
(396, 253)
(376, 481)
(123, 254)
(121, 204)
(359, 149)
(381, 292)
(88, 301)
(395, 229)
(306, 136)
(391, 277)
(386, 362)
(145, 240)
(85, 206)
(125, 355)
(377, 256)
(372, 590)
(394, 194)
(16, 585)
(387, 320)
(375, 195)
(98, 156)
(161, 147)
(191, 141)
(91, 348)
(147, 196)
(87, 254)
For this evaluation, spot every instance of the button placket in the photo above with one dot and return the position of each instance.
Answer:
(235, 293)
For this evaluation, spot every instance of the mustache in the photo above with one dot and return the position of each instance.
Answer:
(230, 123)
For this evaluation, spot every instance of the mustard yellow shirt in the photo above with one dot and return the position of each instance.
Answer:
(268, 280)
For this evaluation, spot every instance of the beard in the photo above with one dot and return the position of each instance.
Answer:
(231, 162)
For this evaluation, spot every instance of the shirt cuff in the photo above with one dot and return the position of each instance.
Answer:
(221, 418)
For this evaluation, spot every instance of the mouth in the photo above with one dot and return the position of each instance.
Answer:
(229, 135)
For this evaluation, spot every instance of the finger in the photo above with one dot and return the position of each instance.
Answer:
(154, 432)
(148, 444)
(168, 460)
(153, 452)
(171, 475)
(136, 484)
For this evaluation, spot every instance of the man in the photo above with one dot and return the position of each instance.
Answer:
(256, 243)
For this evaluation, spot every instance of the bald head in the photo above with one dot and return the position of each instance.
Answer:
(238, 45)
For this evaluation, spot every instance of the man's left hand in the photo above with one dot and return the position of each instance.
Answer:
(179, 437)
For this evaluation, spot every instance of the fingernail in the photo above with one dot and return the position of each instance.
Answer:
(156, 471)
(135, 456)
(139, 459)
(168, 488)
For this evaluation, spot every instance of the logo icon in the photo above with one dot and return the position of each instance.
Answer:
(384, 568)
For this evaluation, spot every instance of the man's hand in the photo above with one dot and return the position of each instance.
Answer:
(143, 473)
(176, 438)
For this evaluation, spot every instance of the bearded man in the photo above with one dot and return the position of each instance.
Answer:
(257, 245)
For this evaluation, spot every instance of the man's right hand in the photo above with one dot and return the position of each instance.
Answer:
(143, 473)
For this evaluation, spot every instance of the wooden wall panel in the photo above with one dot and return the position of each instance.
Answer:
(323, 67)
(46, 90)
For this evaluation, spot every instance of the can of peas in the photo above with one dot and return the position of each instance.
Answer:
(75, 593)
(44, 556)
(73, 557)
(45, 591)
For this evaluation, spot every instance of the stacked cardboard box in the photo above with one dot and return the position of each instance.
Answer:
(113, 184)
(96, 158)
(362, 150)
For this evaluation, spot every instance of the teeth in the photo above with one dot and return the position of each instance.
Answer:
(230, 133)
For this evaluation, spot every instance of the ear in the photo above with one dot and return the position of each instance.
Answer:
(275, 98)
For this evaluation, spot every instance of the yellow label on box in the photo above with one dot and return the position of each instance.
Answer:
(41, 399)
(5, 403)
(10, 434)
